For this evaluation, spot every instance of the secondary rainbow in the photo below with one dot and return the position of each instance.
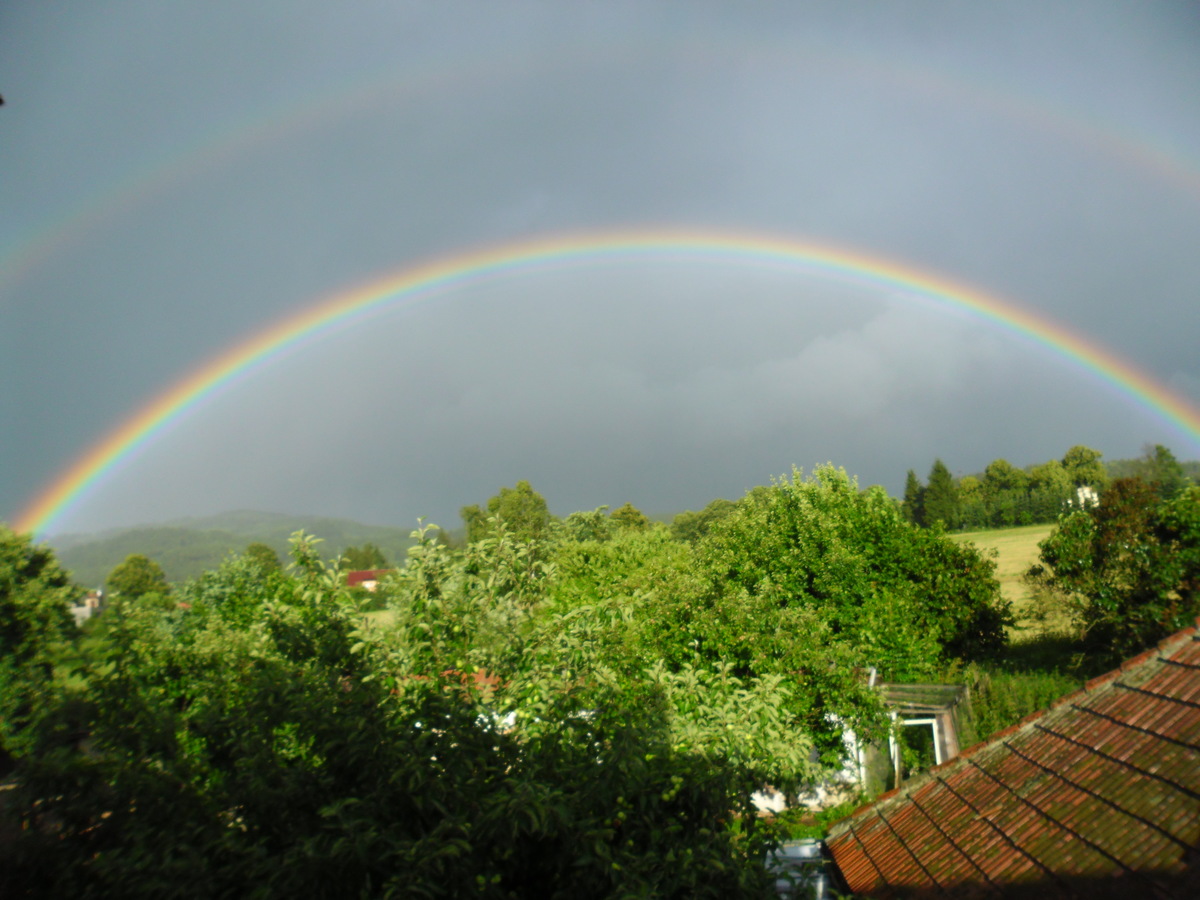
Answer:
(333, 107)
(431, 279)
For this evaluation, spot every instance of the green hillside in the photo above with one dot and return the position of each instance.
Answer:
(186, 547)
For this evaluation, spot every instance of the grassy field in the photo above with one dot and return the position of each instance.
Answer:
(380, 617)
(1016, 549)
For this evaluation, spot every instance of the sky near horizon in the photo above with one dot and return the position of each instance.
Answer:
(177, 178)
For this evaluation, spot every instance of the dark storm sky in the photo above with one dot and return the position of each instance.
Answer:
(177, 177)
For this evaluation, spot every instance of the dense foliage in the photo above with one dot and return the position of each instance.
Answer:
(1003, 496)
(34, 620)
(1127, 570)
(691, 526)
(907, 599)
(366, 557)
(1002, 698)
(810, 579)
(1158, 467)
(520, 509)
(264, 555)
(263, 737)
(579, 708)
(629, 516)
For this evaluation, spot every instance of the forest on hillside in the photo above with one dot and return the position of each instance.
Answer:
(588, 701)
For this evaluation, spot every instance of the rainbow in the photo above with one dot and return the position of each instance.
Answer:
(428, 280)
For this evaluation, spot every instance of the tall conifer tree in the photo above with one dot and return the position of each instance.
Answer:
(941, 497)
(914, 499)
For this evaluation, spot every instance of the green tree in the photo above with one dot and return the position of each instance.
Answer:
(136, 577)
(629, 516)
(1001, 476)
(1050, 491)
(1128, 569)
(35, 618)
(974, 510)
(475, 521)
(850, 557)
(1084, 467)
(368, 556)
(588, 525)
(1162, 470)
(264, 556)
(641, 569)
(691, 526)
(815, 578)
(914, 499)
(1005, 488)
(941, 497)
(521, 509)
(1051, 477)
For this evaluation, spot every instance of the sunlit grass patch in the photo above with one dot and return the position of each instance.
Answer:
(380, 617)
(1016, 550)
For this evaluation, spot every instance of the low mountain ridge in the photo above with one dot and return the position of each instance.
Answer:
(187, 547)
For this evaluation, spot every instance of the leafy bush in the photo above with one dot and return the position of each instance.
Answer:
(907, 599)
(1127, 570)
(35, 594)
(1000, 699)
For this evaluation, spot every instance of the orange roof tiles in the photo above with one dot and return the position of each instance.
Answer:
(1098, 796)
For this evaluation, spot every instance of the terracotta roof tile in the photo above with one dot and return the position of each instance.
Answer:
(1097, 796)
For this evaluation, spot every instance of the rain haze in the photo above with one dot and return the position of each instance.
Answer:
(177, 178)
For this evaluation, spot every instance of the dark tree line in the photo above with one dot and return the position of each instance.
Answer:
(1004, 495)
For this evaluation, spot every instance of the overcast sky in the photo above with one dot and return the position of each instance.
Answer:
(175, 177)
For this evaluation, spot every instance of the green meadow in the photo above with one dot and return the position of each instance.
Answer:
(1015, 550)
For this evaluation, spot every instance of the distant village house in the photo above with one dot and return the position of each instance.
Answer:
(89, 605)
(367, 579)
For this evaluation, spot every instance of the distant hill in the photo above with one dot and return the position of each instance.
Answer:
(186, 547)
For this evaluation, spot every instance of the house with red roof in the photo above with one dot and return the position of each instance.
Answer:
(367, 579)
(1098, 796)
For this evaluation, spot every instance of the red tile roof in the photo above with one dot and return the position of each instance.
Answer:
(1098, 796)
(360, 575)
